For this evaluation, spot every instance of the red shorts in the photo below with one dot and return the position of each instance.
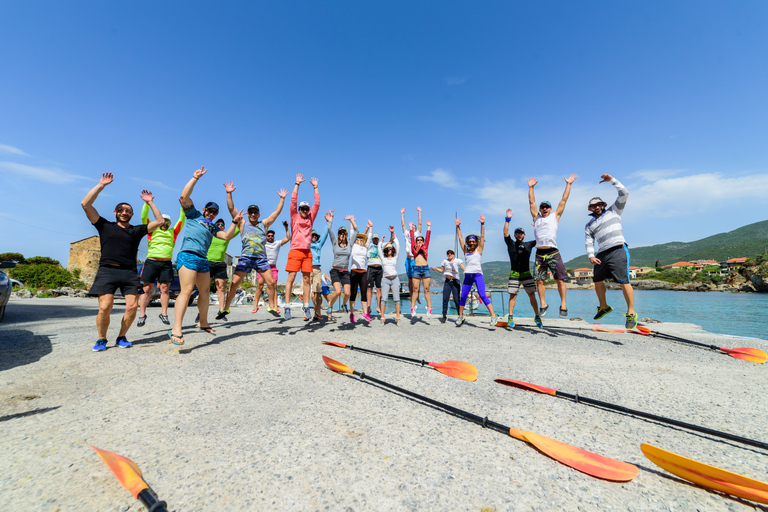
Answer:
(299, 260)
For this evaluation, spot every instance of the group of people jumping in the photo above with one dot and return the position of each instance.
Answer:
(361, 260)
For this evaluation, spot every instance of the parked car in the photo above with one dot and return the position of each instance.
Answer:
(6, 286)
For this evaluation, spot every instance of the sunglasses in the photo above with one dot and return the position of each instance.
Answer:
(253, 212)
(124, 210)
(304, 209)
(211, 210)
(593, 206)
(542, 207)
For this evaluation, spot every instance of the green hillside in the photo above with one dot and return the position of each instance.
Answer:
(746, 241)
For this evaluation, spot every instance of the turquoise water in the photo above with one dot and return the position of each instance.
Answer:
(735, 314)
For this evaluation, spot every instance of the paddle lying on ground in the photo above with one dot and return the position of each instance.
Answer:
(456, 369)
(129, 475)
(577, 398)
(706, 475)
(596, 327)
(754, 355)
(587, 462)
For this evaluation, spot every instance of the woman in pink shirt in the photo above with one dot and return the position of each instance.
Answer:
(300, 255)
(421, 271)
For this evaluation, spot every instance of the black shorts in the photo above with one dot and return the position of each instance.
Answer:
(374, 277)
(109, 279)
(339, 276)
(614, 262)
(218, 270)
(160, 271)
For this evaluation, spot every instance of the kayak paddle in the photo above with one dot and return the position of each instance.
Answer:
(456, 369)
(707, 476)
(590, 463)
(754, 355)
(577, 398)
(129, 475)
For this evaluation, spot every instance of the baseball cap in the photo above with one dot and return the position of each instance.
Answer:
(596, 200)
(303, 203)
(314, 233)
(545, 203)
(374, 237)
(342, 228)
(167, 217)
(519, 230)
(253, 207)
(211, 206)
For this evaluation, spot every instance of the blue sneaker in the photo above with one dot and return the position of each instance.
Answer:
(100, 345)
(538, 322)
(287, 312)
(345, 308)
(123, 342)
(510, 321)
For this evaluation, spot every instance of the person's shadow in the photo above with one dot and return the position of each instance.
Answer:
(19, 347)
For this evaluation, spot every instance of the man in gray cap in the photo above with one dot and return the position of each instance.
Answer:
(604, 228)
(547, 254)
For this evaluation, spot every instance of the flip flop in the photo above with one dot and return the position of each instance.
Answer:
(209, 330)
(174, 338)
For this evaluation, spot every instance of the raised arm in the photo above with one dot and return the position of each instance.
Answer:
(232, 229)
(90, 197)
(316, 204)
(287, 234)
(402, 219)
(532, 198)
(145, 213)
(180, 224)
(461, 238)
(506, 222)
(418, 208)
(481, 243)
(566, 194)
(329, 222)
(295, 194)
(621, 201)
(185, 200)
(429, 234)
(369, 232)
(351, 219)
(275, 214)
(148, 199)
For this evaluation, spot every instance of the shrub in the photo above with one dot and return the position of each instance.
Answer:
(42, 275)
(42, 260)
(12, 256)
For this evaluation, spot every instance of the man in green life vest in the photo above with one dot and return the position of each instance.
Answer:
(216, 255)
(158, 266)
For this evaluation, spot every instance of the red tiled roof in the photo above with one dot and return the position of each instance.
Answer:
(736, 260)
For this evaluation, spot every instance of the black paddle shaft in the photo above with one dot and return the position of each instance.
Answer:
(683, 340)
(662, 419)
(422, 363)
(147, 498)
(485, 422)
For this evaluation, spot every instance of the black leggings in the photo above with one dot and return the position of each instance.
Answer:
(358, 279)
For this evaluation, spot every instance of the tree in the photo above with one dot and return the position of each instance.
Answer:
(42, 275)
(657, 265)
(12, 256)
(42, 260)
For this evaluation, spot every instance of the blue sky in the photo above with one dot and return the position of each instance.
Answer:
(450, 106)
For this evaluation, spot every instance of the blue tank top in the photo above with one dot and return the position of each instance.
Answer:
(253, 238)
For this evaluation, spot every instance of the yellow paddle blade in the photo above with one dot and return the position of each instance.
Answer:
(527, 386)
(126, 471)
(589, 463)
(456, 369)
(706, 475)
(336, 366)
(334, 344)
(754, 355)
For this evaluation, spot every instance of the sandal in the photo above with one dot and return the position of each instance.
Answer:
(318, 318)
(209, 330)
(176, 340)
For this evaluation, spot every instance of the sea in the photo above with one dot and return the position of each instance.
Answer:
(732, 314)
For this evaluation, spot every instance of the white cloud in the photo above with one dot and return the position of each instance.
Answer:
(47, 174)
(441, 177)
(655, 174)
(5, 149)
(456, 80)
(151, 184)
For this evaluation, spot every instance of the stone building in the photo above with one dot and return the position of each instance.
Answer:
(84, 255)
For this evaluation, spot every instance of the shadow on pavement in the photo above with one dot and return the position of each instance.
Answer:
(19, 347)
(28, 413)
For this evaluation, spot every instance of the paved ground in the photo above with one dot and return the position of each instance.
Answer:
(252, 420)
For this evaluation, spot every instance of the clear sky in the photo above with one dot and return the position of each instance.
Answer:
(450, 106)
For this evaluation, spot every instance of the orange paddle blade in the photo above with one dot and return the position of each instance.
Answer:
(603, 329)
(335, 344)
(754, 355)
(126, 471)
(587, 462)
(456, 369)
(706, 475)
(502, 324)
(643, 330)
(527, 386)
(336, 366)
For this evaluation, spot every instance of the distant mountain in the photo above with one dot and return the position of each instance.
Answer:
(746, 241)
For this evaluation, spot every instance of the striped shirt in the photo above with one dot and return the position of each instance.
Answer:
(606, 229)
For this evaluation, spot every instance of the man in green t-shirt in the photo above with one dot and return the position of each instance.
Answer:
(216, 254)
(158, 266)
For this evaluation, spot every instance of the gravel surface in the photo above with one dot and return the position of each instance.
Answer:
(252, 419)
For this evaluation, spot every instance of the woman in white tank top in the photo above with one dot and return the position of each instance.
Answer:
(473, 271)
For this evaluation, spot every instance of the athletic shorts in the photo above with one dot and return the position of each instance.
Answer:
(410, 263)
(374, 277)
(549, 260)
(325, 290)
(155, 270)
(518, 279)
(316, 280)
(274, 275)
(339, 276)
(109, 279)
(192, 262)
(614, 262)
(299, 260)
(218, 270)
(421, 271)
(248, 263)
